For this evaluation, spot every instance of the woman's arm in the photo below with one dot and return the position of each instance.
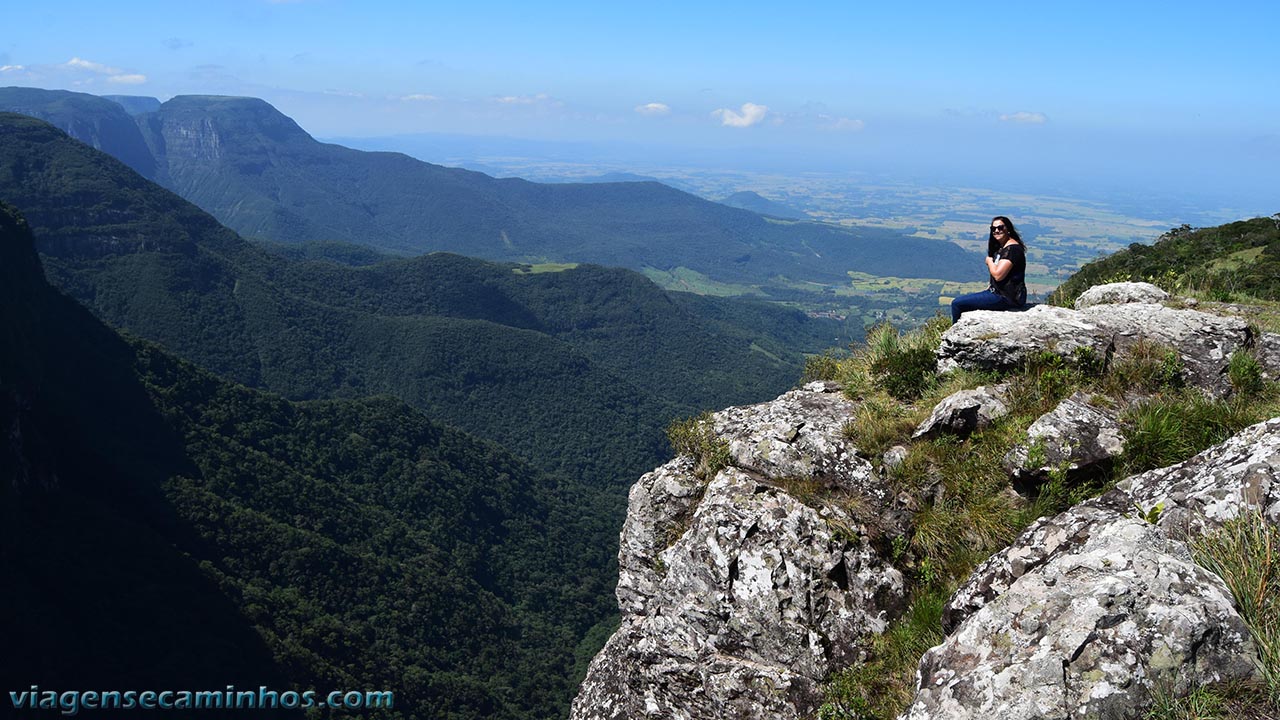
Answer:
(999, 268)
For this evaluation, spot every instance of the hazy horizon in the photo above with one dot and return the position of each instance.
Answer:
(1169, 101)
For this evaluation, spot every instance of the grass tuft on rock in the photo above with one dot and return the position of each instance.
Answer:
(1245, 553)
(696, 438)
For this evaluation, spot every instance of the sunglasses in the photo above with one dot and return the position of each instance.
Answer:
(998, 229)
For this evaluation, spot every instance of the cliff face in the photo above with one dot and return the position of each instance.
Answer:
(742, 592)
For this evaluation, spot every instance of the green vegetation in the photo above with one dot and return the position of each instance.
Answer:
(1245, 553)
(537, 268)
(683, 279)
(966, 510)
(1245, 373)
(1238, 261)
(1212, 702)
(1171, 428)
(577, 370)
(696, 438)
(876, 689)
(904, 367)
(1146, 367)
(164, 527)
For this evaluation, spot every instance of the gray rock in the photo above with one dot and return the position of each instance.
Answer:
(737, 597)
(659, 509)
(1197, 494)
(1204, 342)
(1077, 435)
(1106, 597)
(1044, 540)
(894, 456)
(755, 603)
(993, 340)
(990, 340)
(1119, 293)
(1201, 493)
(1089, 633)
(964, 412)
(799, 435)
(1267, 349)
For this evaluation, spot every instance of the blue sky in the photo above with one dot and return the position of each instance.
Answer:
(1174, 94)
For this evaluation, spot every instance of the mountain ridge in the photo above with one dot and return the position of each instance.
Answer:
(275, 182)
(624, 358)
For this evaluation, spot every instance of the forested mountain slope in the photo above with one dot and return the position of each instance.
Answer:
(576, 370)
(163, 528)
(1239, 258)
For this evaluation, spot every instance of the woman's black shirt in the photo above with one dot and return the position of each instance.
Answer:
(1014, 285)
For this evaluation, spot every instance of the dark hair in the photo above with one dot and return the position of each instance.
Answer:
(993, 245)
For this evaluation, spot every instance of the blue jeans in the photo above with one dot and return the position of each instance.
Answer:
(984, 300)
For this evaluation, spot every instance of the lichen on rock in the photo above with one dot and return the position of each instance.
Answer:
(740, 595)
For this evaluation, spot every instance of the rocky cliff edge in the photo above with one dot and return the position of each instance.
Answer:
(742, 588)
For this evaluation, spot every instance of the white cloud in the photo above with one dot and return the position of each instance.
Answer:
(845, 124)
(1027, 118)
(342, 93)
(540, 102)
(751, 114)
(76, 63)
(418, 97)
(115, 76)
(11, 68)
(653, 108)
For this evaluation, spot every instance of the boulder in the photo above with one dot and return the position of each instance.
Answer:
(894, 456)
(751, 608)
(1204, 342)
(1195, 495)
(993, 340)
(1199, 494)
(1267, 350)
(1105, 597)
(1120, 293)
(739, 596)
(964, 412)
(1089, 633)
(1078, 436)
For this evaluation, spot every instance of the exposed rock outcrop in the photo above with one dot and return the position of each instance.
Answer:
(1120, 293)
(990, 340)
(1077, 436)
(1197, 494)
(1090, 610)
(1267, 349)
(1202, 493)
(739, 596)
(798, 435)
(964, 412)
(1089, 632)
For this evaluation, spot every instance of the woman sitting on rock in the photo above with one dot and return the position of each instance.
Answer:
(1007, 265)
